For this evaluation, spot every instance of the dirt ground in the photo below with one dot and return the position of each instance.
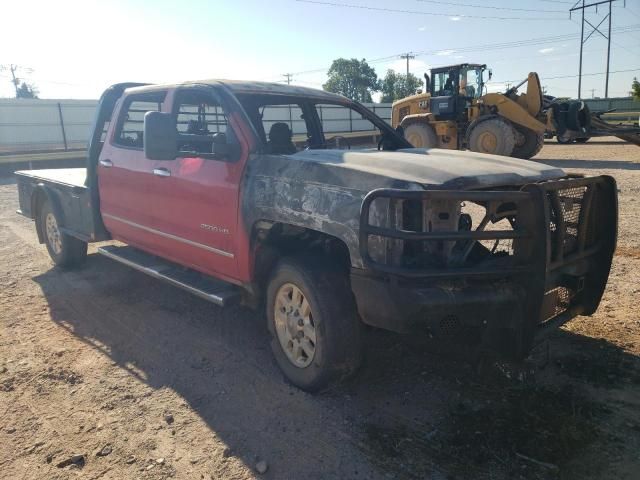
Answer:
(105, 373)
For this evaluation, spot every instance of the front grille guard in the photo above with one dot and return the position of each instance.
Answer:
(568, 230)
(524, 229)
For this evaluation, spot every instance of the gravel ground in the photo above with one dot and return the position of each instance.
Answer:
(105, 373)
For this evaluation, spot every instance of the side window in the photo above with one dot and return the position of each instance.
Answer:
(199, 119)
(131, 123)
(343, 126)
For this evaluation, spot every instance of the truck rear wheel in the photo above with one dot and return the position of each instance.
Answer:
(420, 135)
(532, 143)
(494, 136)
(65, 251)
(312, 318)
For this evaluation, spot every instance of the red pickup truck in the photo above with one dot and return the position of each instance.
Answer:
(307, 204)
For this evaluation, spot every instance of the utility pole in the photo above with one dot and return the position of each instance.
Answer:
(288, 76)
(595, 28)
(14, 80)
(408, 56)
(593, 90)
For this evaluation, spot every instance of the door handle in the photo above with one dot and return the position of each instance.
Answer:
(161, 172)
(106, 163)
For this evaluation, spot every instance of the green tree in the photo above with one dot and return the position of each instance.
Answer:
(635, 89)
(26, 91)
(395, 86)
(352, 78)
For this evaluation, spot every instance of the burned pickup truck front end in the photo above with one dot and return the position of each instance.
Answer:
(489, 269)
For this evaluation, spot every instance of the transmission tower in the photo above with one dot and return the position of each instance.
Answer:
(582, 6)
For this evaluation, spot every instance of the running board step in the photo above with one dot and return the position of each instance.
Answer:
(216, 291)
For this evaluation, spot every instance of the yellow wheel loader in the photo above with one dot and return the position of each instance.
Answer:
(456, 112)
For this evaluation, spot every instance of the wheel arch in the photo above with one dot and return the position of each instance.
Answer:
(415, 118)
(271, 240)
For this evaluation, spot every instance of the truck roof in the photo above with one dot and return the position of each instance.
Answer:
(248, 87)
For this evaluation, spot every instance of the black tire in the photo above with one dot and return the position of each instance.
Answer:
(67, 252)
(531, 145)
(582, 140)
(494, 136)
(421, 135)
(338, 330)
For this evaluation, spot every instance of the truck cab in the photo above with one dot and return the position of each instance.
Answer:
(307, 204)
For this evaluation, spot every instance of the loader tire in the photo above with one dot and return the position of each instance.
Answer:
(494, 136)
(421, 136)
(531, 144)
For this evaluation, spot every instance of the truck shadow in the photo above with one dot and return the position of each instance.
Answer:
(410, 413)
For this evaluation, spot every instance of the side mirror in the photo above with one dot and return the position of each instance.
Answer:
(221, 149)
(160, 136)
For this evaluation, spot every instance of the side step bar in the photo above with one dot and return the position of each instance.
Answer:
(215, 291)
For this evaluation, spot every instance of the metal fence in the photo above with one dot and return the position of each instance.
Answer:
(619, 104)
(41, 125)
(28, 125)
(46, 125)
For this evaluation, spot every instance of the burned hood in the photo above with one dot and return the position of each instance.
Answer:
(431, 168)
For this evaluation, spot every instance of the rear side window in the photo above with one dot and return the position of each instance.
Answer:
(131, 124)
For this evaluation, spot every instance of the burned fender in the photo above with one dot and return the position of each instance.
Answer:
(312, 195)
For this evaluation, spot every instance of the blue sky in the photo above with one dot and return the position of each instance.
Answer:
(76, 48)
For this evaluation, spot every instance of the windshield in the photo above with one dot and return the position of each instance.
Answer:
(471, 82)
(289, 124)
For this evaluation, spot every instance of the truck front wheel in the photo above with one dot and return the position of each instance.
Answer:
(312, 318)
(65, 251)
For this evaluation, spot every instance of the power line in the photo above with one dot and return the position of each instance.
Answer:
(491, 7)
(493, 46)
(636, 69)
(419, 12)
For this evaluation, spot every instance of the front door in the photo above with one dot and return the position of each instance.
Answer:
(196, 197)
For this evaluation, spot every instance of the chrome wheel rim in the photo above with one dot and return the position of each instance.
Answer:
(295, 326)
(53, 233)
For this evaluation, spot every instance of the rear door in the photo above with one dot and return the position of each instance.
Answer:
(195, 197)
(124, 174)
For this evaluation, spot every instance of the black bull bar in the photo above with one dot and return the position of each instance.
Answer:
(565, 230)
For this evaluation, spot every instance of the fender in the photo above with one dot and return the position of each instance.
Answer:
(416, 116)
(41, 193)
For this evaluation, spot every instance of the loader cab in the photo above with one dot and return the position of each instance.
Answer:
(453, 89)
